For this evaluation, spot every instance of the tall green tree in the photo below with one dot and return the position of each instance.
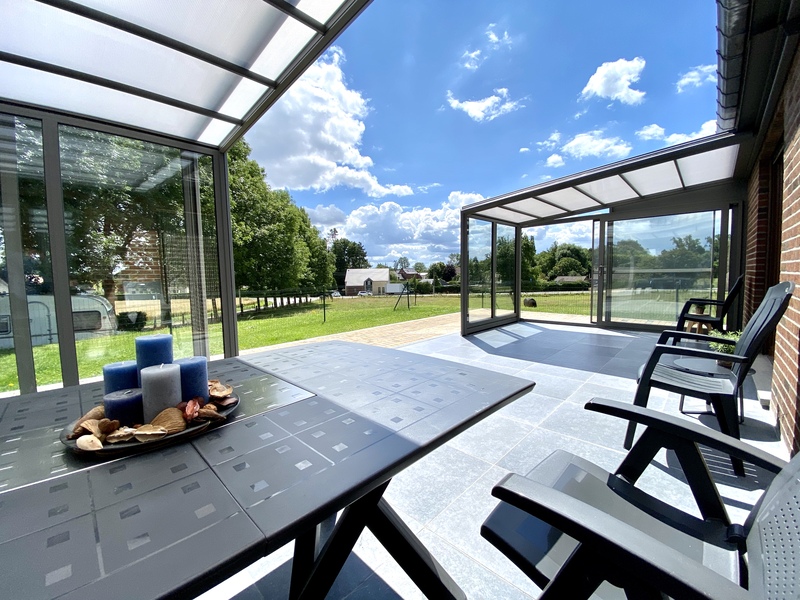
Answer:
(419, 267)
(347, 255)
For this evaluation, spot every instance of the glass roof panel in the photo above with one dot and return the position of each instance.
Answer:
(234, 31)
(662, 177)
(215, 132)
(321, 10)
(569, 199)
(505, 215)
(535, 207)
(287, 43)
(44, 89)
(609, 190)
(708, 166)
(54, 36)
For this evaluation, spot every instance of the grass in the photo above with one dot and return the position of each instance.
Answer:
(273, 326)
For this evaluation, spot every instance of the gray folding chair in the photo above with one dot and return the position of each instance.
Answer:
(712, 321)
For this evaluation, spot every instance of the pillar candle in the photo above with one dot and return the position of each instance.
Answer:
(153, 350)
(161, 388)
(125, 406)
(120, 376)
(194, 377)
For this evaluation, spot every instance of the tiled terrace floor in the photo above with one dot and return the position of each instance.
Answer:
(445, 497)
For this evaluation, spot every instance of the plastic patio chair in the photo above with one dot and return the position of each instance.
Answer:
(710, 321)
(579, 531)
(722, 391)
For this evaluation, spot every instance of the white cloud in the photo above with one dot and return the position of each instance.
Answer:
(579, 233)
(486, 109)
(592, 143)
(613, 80)
(555, 160)
(325, 217)
(426, 188)
(472, 60)
(311, 138)
(696, 77)
(422, 234)
(656, 132)
(550, 143)
(651, 132)
(523, 150)
(495, 40)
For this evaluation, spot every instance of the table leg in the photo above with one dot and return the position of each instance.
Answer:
(409, 552)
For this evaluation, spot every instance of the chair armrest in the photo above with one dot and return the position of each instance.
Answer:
(661, 349)
(617, 542)
(705, 301)
(678, 335)
(689, 430)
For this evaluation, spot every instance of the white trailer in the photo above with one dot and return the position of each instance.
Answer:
(394, 288)
(92, 316)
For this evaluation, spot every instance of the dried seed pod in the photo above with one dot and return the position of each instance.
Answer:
(209, 413)
(191, 410)
(98, 412)
(89, 442)
(171, 419)
(107, 425)
(150, 433)
(93, 427)
(123, 434)
(218, 390)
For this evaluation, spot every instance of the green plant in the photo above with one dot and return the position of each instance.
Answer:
(725, 347)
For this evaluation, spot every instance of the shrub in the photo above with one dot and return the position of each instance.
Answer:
(132, 321)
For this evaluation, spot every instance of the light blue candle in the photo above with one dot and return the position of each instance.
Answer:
(161, 388)
(153, 350)
(120, 376)
(194, 377)
(124, 406)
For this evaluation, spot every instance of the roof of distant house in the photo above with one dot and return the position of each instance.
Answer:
(408, 273)
(570, 278)
(356, 277)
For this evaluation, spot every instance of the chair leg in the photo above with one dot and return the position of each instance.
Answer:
(729, 425)
(707, 411)
(741, 405)
(640, 399)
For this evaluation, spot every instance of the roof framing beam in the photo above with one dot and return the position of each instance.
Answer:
(298, 15)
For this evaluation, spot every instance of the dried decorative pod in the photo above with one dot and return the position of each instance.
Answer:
(89, 442)
(171, 419)
(224, 401)
(107, 425)
(123, 434)
(190, 412)
(218, 390)
(98, 412)
(93, 427)
(209, 413)
(150, 433)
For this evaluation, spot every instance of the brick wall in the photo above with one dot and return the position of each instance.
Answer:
(756, 246)
(786, 374)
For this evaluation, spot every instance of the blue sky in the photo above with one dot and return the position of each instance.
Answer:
(421, 107)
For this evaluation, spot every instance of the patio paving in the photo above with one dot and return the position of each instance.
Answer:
(446, 496)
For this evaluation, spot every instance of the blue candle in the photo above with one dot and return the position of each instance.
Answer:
(120, 376)
(194, 377)
(153, 350)
(125, 406)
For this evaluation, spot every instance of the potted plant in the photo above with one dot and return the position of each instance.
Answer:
(727, 346)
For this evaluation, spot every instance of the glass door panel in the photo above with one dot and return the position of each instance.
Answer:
(657, 263)
(479, 274)
(505, 278)
(29, 351)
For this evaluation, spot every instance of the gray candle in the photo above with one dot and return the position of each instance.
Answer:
(161, 388)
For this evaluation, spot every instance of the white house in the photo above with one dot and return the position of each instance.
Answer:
(366, 280)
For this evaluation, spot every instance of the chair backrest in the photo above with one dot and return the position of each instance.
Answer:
(735, 290)
(761, 324)
(773, 537)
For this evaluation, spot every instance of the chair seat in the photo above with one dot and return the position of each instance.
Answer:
(539, 549)
(685, 381)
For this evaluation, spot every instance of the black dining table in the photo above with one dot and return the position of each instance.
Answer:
(319, 428)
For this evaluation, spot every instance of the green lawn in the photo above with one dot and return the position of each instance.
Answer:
(272, 326)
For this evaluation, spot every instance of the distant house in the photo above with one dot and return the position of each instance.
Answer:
(570, 279)
(409, 273)
(366, 280)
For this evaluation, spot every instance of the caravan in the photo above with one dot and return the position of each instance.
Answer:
(92, 316)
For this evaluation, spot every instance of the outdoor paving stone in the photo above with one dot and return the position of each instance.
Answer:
(540, 443)
(596, 428)
(460, 526)
(492, 438)
(531, 409)
(590, 390)
(621, 367)
(552, 385)
(429, 485)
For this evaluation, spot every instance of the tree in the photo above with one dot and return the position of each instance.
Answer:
(530, 271)
(505, 259)
(436, 270)
(401, 263)
(567, 266)
(419, 267)
(449, 272)
(454, 258)
(547, 260)
(347, 255)
(319, 271)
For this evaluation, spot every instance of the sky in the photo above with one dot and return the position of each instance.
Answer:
(420, 108)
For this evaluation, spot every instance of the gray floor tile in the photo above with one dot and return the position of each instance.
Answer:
(491, 439)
